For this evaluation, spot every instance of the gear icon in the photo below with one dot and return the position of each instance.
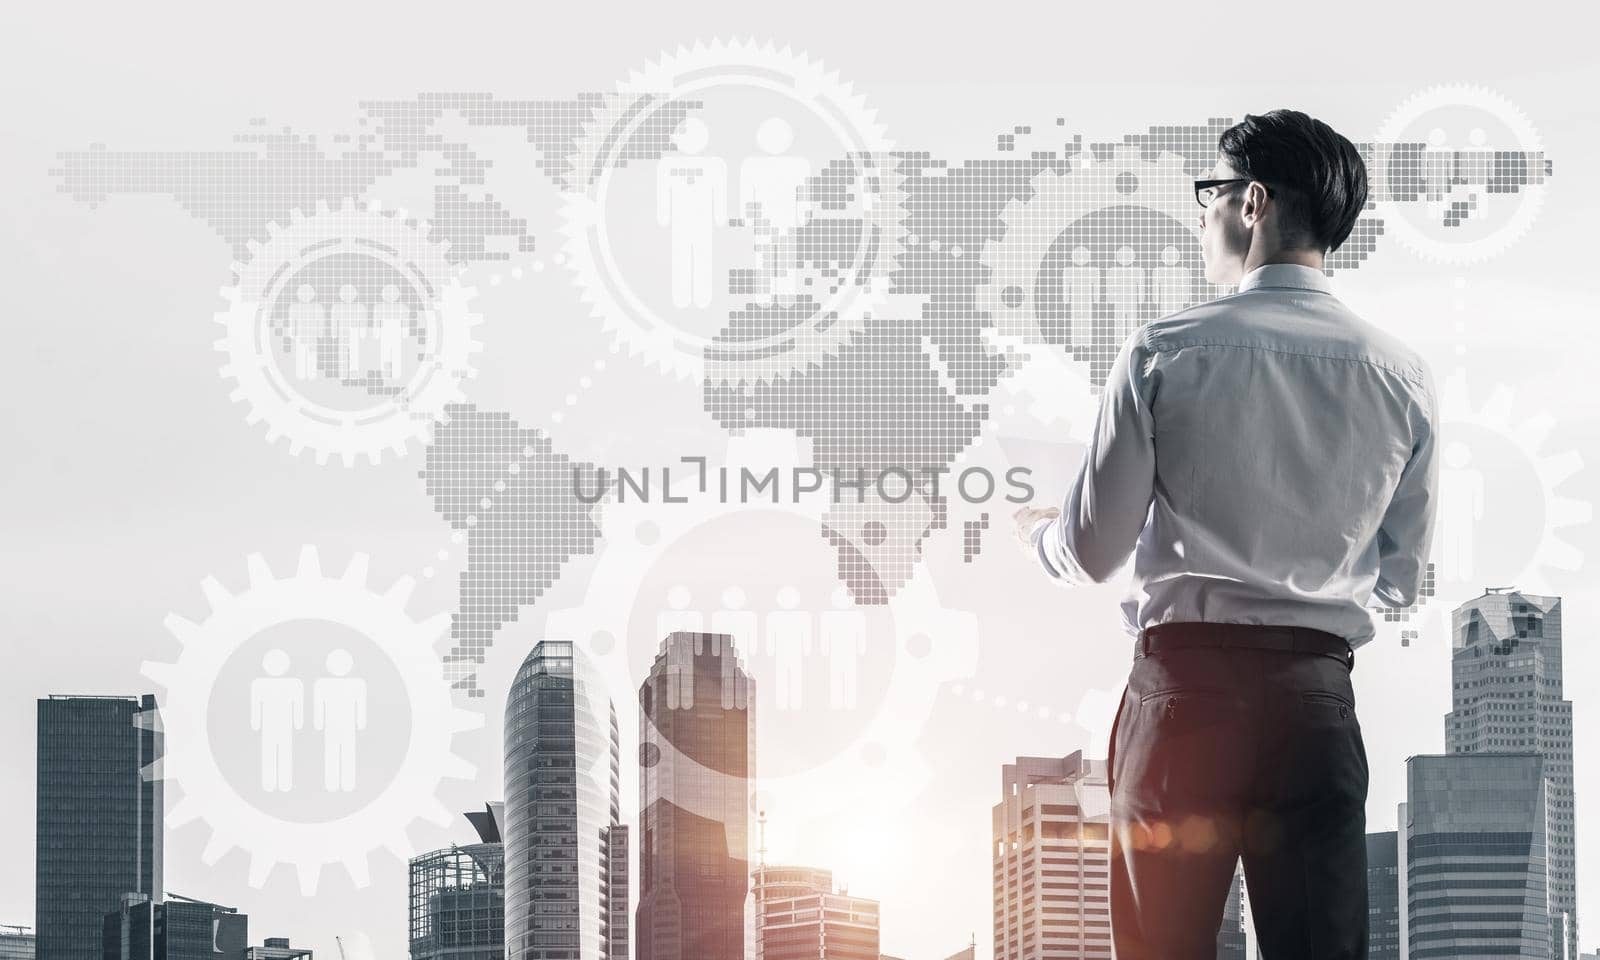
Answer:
(1529, 436)
(236, 823)
(1149, 200)
(934, 645)
(348, 247)
(1444, 587)
(785, 339)
(1455, 231)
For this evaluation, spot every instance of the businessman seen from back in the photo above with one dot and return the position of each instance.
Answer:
(1268, 458)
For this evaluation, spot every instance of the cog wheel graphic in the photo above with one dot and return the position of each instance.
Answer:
(1401, 170)
(934, 645)
(236, 823)
(1151, 199)
(784, 340)
(348, 247)
(1529, 435)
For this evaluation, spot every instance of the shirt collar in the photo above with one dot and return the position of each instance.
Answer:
(1286, 275)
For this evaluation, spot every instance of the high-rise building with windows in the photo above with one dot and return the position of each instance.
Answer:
(1232, 938)
(99, 821)
(1475, 857)
(178, 928)
(457, 896)
(697, 742)
(1052, 855)
(801, 917)
(1383, 896)
(16, 942)
(1507, 697)
(565, 848)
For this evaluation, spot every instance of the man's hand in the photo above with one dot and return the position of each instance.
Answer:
(1027, 518)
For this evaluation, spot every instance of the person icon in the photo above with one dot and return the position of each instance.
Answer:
(678, 617)
(349, 321)
(1081, 289)
(1125, 291)
(277, 710)
(390, 318)
(1173, 282)
(844, 642)
(692, 202)
(307, 329)
(770, 182)
(789, 642)
(339, 704)
(1460, 509)
(740, 625)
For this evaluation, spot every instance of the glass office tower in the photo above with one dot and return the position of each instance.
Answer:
(458, 909)
(565, 849)
(99, 819)
(1506, 679)
(1475, 857)
(1383, 896)
(177, 929)
(697, 741)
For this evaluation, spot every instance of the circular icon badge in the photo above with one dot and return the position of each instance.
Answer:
(1458, 173)
(348, 332)
(308, 720)
(734, 213)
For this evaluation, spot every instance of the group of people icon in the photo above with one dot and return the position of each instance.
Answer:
(787, 634)
(277, 712)
(1128, 288)
(337, 339)
(692, 203)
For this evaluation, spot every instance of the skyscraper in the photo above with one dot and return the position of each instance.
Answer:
(99, 819)
(1232, 939)
(16, 942)
(176, 929)
(802, 918)
(565, 850)
(457, 895)
(697, 760)
(1475, 856)
(1383, 896)
(1507, 698)
(1052, 854)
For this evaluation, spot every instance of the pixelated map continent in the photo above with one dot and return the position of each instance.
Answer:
(909, 391)
(509, 494)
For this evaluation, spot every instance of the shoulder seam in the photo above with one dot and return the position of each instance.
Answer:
(1412, 376)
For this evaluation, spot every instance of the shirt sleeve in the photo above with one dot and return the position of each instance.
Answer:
(1108, 503)
(1405, 536)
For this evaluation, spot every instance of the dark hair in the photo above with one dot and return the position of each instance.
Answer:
(1318, 178)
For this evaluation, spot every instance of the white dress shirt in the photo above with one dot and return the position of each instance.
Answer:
(1268, 457)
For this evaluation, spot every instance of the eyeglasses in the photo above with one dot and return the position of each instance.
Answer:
(1206, 191)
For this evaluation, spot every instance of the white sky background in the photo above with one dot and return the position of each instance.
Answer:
(129, 476)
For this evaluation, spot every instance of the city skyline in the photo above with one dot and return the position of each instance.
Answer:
(153, 165)
(1507, 653)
